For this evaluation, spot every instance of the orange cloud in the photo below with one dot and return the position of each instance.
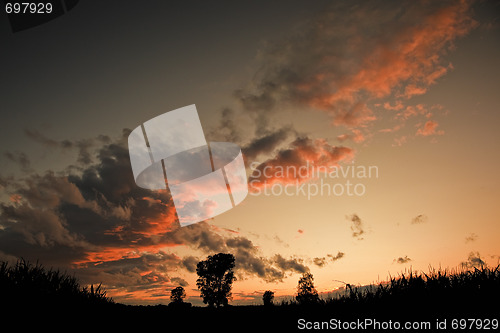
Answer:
(410, 59)
(413, 90)
(297, 163)
(397, 106)
(356, 136)
(340, 63)
(429, 128)
(115, 253)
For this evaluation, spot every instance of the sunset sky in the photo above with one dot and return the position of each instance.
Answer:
(399, 99)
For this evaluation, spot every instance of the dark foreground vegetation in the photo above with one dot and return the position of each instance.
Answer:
(50, 298)
(27, 284)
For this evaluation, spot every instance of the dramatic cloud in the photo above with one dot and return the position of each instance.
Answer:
(357, 227)
(94, 220)
(349, 61)
(296, 164)
(347, 65)
(89, 214)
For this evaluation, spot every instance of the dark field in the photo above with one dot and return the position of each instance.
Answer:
(37, 298)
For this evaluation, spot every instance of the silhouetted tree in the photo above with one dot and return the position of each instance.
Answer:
(216, 278)
(306, 293)
(268, 297)
(177, 295)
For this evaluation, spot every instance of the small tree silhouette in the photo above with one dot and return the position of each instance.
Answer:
(216, 278)
(268, 297)
(177, 295)
(306, 293)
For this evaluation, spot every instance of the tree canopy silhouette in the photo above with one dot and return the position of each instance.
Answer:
(177, 295)
(216, 278)
(268, 297)
(306, 293)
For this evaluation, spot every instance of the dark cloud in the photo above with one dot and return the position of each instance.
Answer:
(228, 128)
(190, 263)
(473, 261)
(147, 274)
(402, 260)
(357, 227)
(258, 107)
(280, 241)
(179, 281)
(239, 242)
(320, 261)
(266, 141)
(20, 159)
(198, 236)
(5, 181)
(248, 261)
(419, 219)
(336, 257)
(323, 261)
(471, 238)
(266, 144)
(89, 210)
(44, 228)
(83, 147)
(40, 138)
(292, 264)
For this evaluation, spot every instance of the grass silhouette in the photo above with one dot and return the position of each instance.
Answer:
(29, 284)
(438, 294)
